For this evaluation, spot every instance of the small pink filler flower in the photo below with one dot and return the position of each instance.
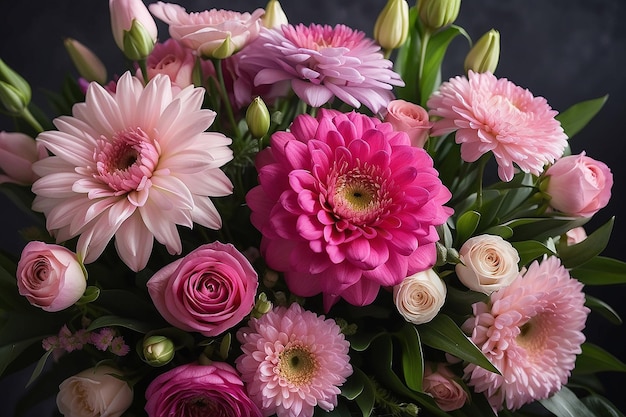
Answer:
(292, 361)
(346, 205)
(132, 164)
(321, 62)
(531, 331)
(491, 114)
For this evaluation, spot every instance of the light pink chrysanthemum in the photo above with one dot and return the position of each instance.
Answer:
(491, 114)
(346, 205)
(531, 331)
(132, 164)
(321, 62)
(293, 360)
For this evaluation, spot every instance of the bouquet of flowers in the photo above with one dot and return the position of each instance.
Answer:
(261, 218)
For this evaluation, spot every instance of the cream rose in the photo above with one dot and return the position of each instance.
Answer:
(419, 297)
(94, 392)
(488, 263)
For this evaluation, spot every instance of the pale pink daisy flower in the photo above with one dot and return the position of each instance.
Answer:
(531, 331)
(321, 62)
(346, 205)
(132, 164)
(292, 361)
(491, 114)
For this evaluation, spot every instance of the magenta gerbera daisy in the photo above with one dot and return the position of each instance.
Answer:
(531, 331)
(293, 360)
(345, 204)
(323, 62)
(491, 114)
(132, 164)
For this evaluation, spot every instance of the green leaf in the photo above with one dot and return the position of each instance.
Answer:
(113, 321)
(577, 116)
(466, 225)
(9, 352)
(91, 294)
(593, 245)
(601, 407)
(503, 231)
(603, 309)
(407, 61)
(530, 250)
(39, 367)
(442, 333)
(601, 271)
(595, 359)
(412, 356)
(541, 228)
(565, 403)
(359, 388)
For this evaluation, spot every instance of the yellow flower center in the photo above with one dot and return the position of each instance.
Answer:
(297, 364)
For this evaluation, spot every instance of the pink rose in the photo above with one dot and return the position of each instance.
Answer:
(123, 12)
(50, 276)
(17, 154)
(194, 389)
(208, 291)
(410, 118)
(212, 33)
(441, 384)
(579, 185)
(177, 62)
(94, 392)
(575, 235)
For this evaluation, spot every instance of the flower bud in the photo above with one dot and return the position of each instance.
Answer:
(258, 118)
(262, 306)
(274, 16)
(158, 350)
(392, 25)
(89, 66)
(226, 49)
(436, 14)
(15, 92)
(124, 13)
(138, 43)
(484, 55)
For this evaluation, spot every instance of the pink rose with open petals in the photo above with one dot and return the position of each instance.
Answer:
(194, 390)
(50, 276)
(442, 385)
(211, 30)
(208, 291)
(579, 185)
(17, 154)
(410, 118)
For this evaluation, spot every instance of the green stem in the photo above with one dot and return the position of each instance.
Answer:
(479, 179)
(30, 119)
(144, 70)
(423, 46)
(224, 95)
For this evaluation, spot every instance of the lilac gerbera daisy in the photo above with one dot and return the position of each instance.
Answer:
(132, 164)
(321, 62)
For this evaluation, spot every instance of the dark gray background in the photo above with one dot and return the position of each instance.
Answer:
(564, 50)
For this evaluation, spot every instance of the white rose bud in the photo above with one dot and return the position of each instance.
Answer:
(419, 297)
(488, 263)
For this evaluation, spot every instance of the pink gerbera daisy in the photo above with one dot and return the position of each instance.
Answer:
(346, 204)
(321, 62)
(491, 114)
(531, 331)
(293, 360)
(132, 164)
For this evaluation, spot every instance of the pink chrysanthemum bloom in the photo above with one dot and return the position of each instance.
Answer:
(132, 164)
(491, 114)
(346, 205)
(293, 360)
(321, 62)
(531, 331)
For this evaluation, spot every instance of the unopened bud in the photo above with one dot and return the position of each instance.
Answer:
(89, 66)
(158, 350)
(15, 92)
(392, 25)
(274, 16)
(484, 55)
(258, 118)
(436, 14)
(226, 49)
(138, 42)
(442, 254)
(262, 306)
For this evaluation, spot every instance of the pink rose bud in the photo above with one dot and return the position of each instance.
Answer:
(124, 12)
(17, 154)
(579, 185)
(89, 66)
(410, 118)
(50, 276)
(442, 385)
(208, 291)
(575, 235)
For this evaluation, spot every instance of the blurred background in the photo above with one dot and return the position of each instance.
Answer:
(565, 50)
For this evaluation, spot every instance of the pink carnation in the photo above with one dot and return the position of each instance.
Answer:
(321, 62)
(531, 331)
(346, 204)
(491, 114)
